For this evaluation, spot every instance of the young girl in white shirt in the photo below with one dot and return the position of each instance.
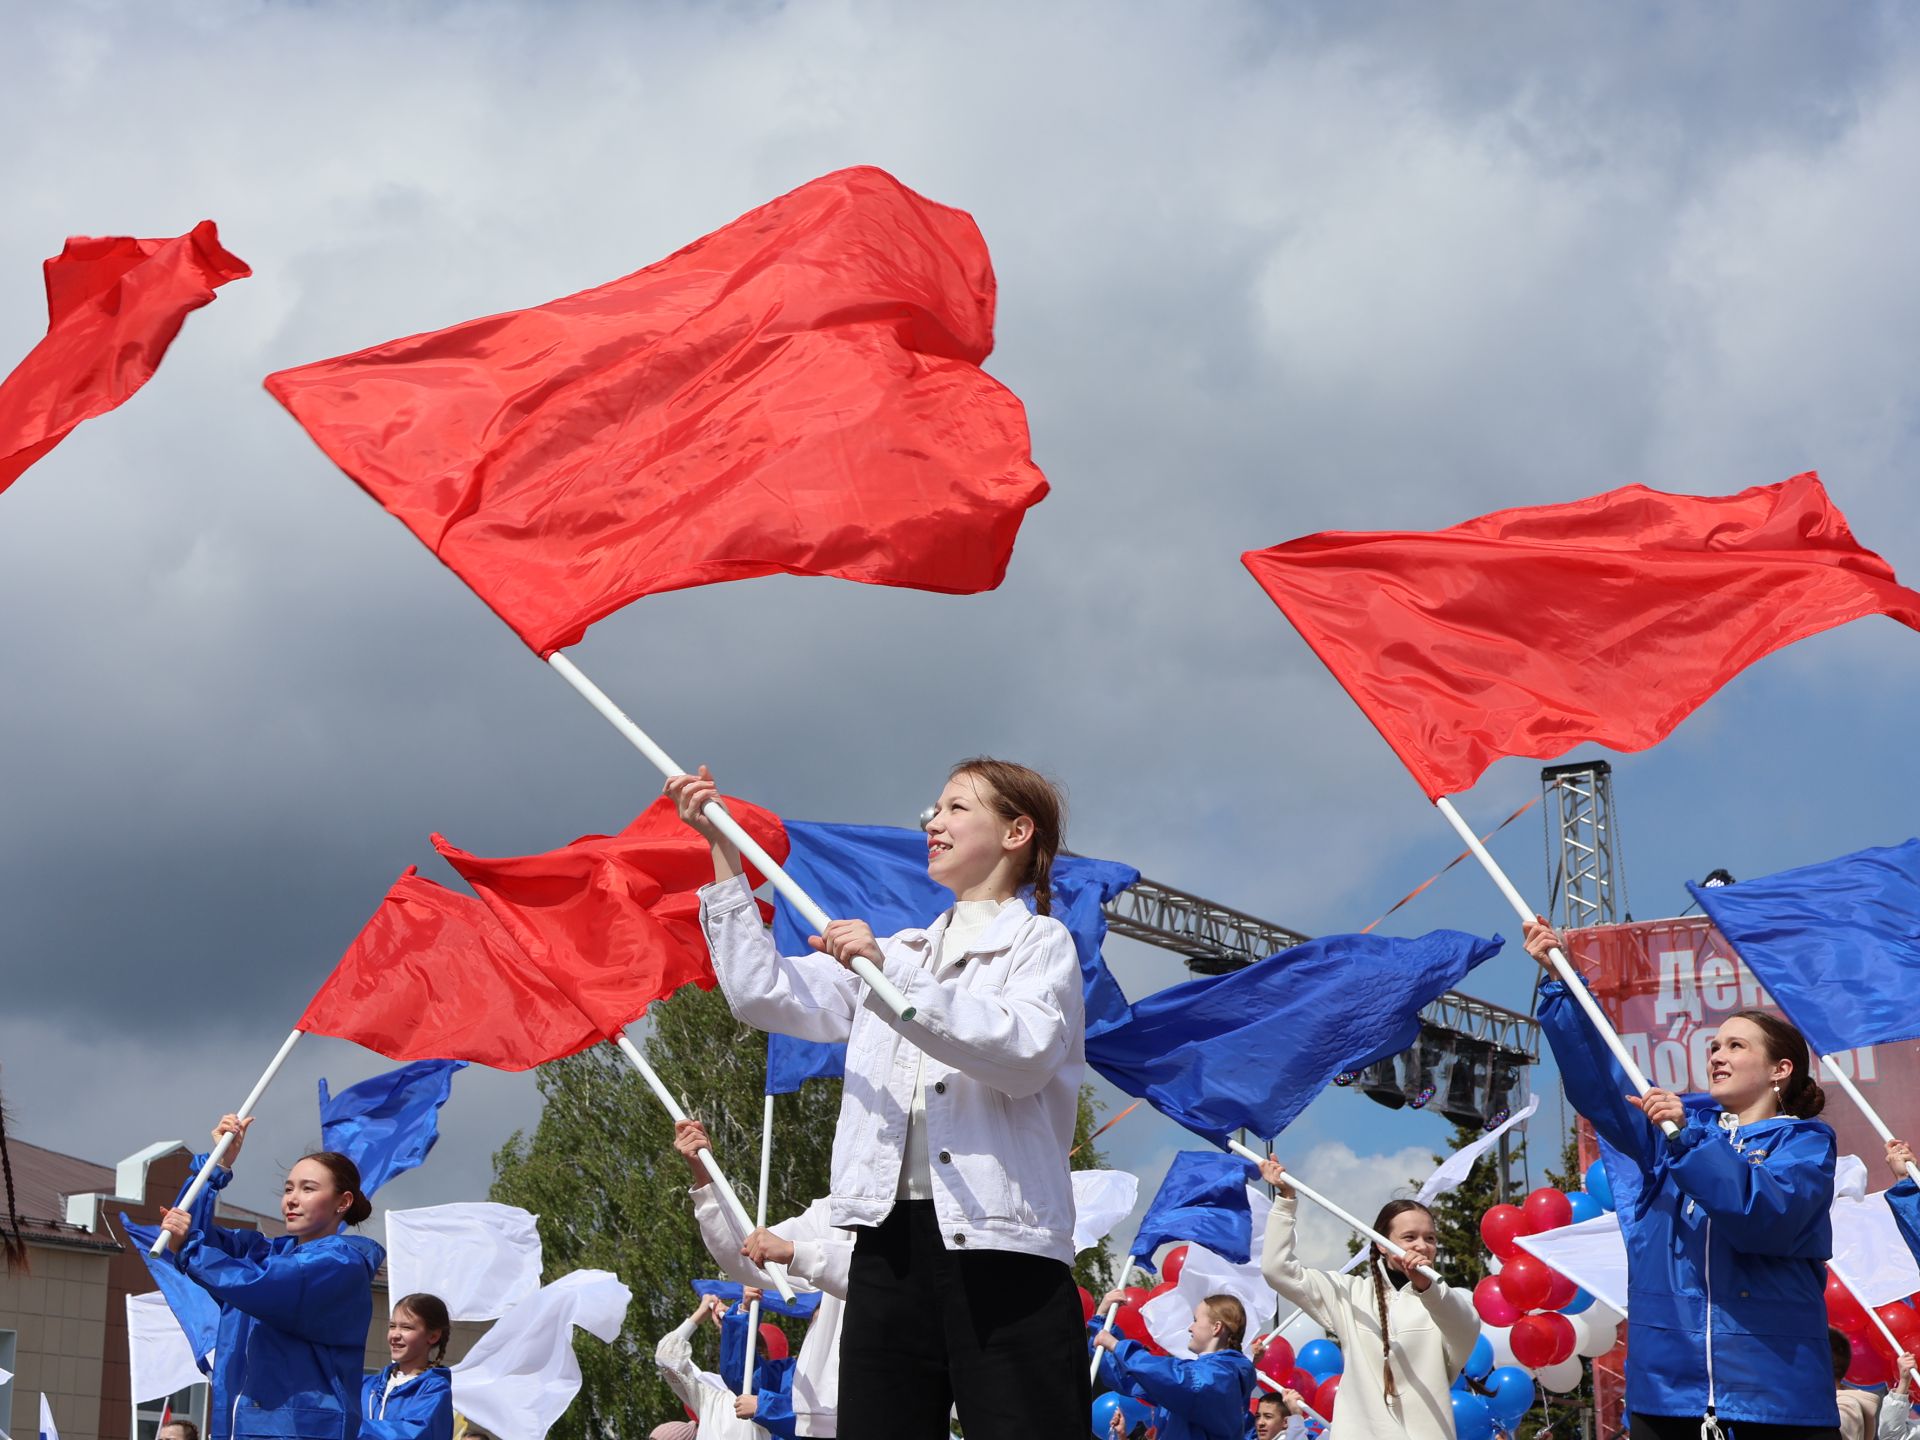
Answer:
(1405, 1338)
(950, 1160)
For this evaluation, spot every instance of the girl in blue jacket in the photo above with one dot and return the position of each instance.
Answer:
(1726, 1227)
(294, 1311)
(1204, 1398)
(412, 1399)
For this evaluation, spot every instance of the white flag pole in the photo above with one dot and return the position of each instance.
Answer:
(714, 1173)
(1276, 1387)
(760, 1223)
(728, 826)
(1106, 1322)
(1352, 1221)
(1561, 966)
(1845, 1082)
(226, 1141)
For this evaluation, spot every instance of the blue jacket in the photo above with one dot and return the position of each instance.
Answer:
(772, 1379)
(1727, 1237)
(1904, 1200)
(293, 1330)
(416, 1409)
(1204, 1398)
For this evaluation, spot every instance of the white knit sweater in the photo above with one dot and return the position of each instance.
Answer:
(1432, 1333)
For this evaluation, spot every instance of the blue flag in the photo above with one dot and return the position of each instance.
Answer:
(387, 1124)
(1250, 1049)
(878, 873)
(791, 1063)
(1203, 1200)
(196, 1310)
(1836, 944)
(801, 1307)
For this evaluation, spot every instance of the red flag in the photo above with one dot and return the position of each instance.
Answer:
(113, 307)
(434, 976)
(613, 920)
(1612, 619)
(797, 392)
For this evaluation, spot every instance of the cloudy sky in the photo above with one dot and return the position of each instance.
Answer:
(1265, 269)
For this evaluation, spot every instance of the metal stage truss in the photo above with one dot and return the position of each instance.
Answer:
(1214, 939)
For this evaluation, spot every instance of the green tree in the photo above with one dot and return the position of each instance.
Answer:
(600, 1171)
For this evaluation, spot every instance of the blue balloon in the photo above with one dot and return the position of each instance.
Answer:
(1581, 1301)
(1103, 1408)
(1511, 1393)
(1472, 1420)
(1585, 1206)
(1599, 1186)
(1321, 1359)
(1481, 1360)
(1135, 1412)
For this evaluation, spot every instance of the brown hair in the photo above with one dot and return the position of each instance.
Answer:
(346, 1179)
(1801, 1096)
(185, 1426)
(1842, 1349)
(1018, 791)
(1389, 1212)
(1232, 1316)
(430, 1311)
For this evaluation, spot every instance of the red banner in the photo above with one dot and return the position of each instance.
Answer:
(1667, 985)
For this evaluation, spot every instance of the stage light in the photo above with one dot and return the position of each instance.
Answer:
(1715, 879)
(1380, 1081)
(1427, 1058)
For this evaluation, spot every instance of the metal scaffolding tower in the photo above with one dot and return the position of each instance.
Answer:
(1585, 875)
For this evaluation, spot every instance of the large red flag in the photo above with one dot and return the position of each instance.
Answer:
(113, 307)
(434, 976)
(613, 920)
(799, 391)
(1527, 632)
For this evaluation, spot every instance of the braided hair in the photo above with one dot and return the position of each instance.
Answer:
(1376, 1267)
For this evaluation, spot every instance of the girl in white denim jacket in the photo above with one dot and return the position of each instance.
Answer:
(950, 1160)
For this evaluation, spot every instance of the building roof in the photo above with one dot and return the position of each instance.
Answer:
(43, 1179)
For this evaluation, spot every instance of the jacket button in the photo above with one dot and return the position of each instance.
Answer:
(958, 1238)
(946, 1159)
(939, 1087)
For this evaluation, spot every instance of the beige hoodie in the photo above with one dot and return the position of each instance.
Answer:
(1432, 1334)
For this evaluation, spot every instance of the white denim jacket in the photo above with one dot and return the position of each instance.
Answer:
(821, 1258)
(1003, 1029)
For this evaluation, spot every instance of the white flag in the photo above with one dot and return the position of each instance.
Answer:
(1204, 1273)
(522, 1375)
(159, 1355)
(47, 1432)
(1869, 1254)
(1591, 1253)
(1101, 1200)
(479, 1257)
(1457, 1166)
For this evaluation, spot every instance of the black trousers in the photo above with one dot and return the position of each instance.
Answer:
(1687, 1427)
(926, 1329)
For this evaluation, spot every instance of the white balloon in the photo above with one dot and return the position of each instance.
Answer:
(1591, 1341)
(1562, 1377)
(1600, 1315)
(1501, 1338)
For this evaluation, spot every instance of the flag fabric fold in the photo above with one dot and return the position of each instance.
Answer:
(521, 1375)
(160, 1358)
(799, 391)
(433, 975)
(1452, 1172)
(1101, 1200)
(1251, 1048)
(114, 305)
(801, 1307)
(1202, 1201)
(1608, 620)
(386, 1124)
(791, 1062)
(614, 920)
(1168, 1316)
(195, 1311)
(482, 1258)
(1837, 944)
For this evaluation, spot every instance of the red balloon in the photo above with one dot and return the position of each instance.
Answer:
(1526, 1281)
(1492, 1305)
(1172, 1263)
(1302, 1384)
(1087, 1307)
(1128, 1322)
(1547, 1209)
(1324, 1397)
(1501, 1229)
(1872, 1365)
(1845, 1311)
(1904, 1322)
(1560, 1292)
(1534, 1339)
(1277, 1359)
(773, 1341)
(1564, 1338)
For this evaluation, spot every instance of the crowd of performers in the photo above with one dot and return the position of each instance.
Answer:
(942, 1255)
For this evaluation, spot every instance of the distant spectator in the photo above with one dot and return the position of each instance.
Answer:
(179, 1430)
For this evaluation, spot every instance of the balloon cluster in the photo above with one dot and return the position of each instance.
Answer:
(1537, 1325)
(1873, 1362)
